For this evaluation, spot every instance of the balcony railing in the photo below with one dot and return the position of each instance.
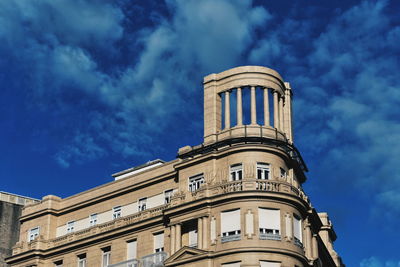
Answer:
(270, 236)
(152, 260)
(230, 238)
(179, 198)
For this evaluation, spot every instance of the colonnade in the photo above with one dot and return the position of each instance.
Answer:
(176, 235)
(281, 109)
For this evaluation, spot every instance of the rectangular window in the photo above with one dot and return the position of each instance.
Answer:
(158, 242)
(142, 204)
(232, 264)
(236, 171)
(230, 225)
(263, 171)
(58, 263)
(117, 212)
(269, 264)
(106, 256)
(93, 219)
(168, 196)
(269, 221)
(283, 174)
(33, 234)
(82, 260)
(193, 238)
(195, 182)
(131, 248)
(297, 230)
(70, 226)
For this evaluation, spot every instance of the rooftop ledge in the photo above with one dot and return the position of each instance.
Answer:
(245, 134)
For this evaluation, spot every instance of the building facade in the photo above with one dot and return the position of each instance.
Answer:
(10, 211)
(234, 200)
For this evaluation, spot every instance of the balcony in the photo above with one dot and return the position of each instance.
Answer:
(270, 237)
(230, 238)
(180, 198)
(152, 260)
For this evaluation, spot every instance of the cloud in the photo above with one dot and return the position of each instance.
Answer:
(74, 53)
(376, 262)
(346, 108)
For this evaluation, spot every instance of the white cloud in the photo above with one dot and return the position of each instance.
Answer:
(376, 262)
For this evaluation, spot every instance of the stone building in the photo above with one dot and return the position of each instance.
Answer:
(234, 200)
(10, 211)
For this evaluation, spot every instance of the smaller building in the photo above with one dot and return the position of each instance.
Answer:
(10, 210)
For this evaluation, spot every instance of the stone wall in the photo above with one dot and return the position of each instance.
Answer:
(9, 229)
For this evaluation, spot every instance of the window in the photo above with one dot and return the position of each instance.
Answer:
(283, 174)
(93, 219)
(116, 212)
(131, 248)
(263, 171)
(70, 226)
(297, 230)
(232, 264)
(158, 242)
(269, 221)
(230, 225)
(82, 260)
(193, 238)
(168, 196)
(142, 204)
(58, 263)
(269, 264)
(236, 171)
(106, 256)
(195, 182)
(33, 234)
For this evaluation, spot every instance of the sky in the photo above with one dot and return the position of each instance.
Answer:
(91, 87)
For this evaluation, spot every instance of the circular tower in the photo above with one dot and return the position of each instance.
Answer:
(241, 189)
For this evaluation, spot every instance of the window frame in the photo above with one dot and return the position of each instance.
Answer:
(195, 182)
(70, 227)
(93, 219)
(82, 260)
(236, 172)
(158, 249)
(117, 212)
(142, 204)
(106, 254)
(168, 195)
(263, 167)
(32, 236)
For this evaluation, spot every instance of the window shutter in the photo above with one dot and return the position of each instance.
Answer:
(131, 249)
(158, 241)
(297, 228)
(269, 219)
(230, 221)
(269, 264)
(193, 238)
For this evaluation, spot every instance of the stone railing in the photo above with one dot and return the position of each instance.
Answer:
(243, 185)
(179, 198)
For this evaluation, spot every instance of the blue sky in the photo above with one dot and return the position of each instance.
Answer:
(89, 88)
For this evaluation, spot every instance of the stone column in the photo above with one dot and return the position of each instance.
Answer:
(205, 233)
(281, 125)
(178, 237)
(308, 241)
(253, 106)
(227, 111)
(276, 114)
(200, 233)
(314, 247)
(266, 108)
(239, 108)
(172, 239)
